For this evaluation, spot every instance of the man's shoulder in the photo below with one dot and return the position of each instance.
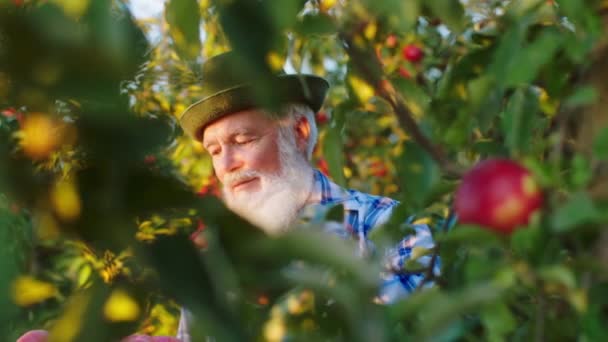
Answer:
(372, 210)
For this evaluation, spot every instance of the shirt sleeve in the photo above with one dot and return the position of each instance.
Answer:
(183, 330)
(397, 282)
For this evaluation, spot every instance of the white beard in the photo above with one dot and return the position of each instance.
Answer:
(275, 207)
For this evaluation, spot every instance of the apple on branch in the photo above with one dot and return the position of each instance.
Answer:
(498, 194)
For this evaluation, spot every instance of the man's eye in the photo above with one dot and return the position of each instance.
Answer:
(245, 141)
(214, 152)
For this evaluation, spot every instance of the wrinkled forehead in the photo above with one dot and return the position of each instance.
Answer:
(252, 121)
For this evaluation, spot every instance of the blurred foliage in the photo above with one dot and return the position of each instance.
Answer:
(99, 188)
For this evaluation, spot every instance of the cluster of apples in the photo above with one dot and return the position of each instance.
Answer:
(498, 194)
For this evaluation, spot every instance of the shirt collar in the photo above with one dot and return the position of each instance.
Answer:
(325, 192)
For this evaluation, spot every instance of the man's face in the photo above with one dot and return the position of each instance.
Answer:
(240, 142)
(265, 178)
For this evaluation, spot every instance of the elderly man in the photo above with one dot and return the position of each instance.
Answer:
(262, 160)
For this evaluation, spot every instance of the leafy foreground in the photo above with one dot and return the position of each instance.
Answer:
(100, 190)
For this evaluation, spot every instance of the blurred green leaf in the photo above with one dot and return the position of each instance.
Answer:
(519, 121)
(178, 262)
(498, 320)
(526, 241)
(583, 96)
(319, 24)
(450, 12)
(578, 209)
(284, 13)
(558, 274)
(581, 172)
(121, 136)
(415, 98)
(399, 15)
(334, 154)
(600, 145)
(418, 171)
(442, 310)
(467, 234)
(183, 17)
(517, 61)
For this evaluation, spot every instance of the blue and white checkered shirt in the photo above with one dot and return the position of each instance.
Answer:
(363, 213)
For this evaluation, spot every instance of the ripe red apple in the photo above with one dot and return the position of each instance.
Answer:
(412, 53)
(499, 194)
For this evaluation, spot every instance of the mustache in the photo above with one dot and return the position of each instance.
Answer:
(238, 176)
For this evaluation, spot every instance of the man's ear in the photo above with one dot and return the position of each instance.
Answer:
(302, 133)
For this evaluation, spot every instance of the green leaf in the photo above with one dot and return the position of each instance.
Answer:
(579, 209)
(498, 321)
(315, 24)
(450, 12)
(519, 121)
(418, 171)
(558, 274)
(526, 241)
(183, 17)
(399, 15)
(443, 310)
(334, 154)
(517, 62)
(581, 172)
(600, 145)
(583, 96)
(416, 99)
(284, 13)
(469, 235)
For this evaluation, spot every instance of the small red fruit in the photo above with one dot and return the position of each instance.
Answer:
(498, 194)
(391, 41)
(321, 118)
(404, 73)
(412, 53)
(150, 159)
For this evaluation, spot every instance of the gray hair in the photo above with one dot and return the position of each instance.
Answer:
(291, 114)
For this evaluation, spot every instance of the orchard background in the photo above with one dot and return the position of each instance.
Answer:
(100, 190)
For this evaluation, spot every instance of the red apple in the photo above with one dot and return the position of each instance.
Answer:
(412, 53)
(498, 194)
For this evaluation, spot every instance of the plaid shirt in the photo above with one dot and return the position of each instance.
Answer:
(362, 213)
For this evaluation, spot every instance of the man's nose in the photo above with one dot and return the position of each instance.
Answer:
(230, 161)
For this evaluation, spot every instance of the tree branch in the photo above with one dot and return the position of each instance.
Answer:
(369, 67)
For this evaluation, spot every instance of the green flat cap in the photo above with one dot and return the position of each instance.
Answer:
(226, 91)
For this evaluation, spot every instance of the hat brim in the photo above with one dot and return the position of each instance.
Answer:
(306, 89)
